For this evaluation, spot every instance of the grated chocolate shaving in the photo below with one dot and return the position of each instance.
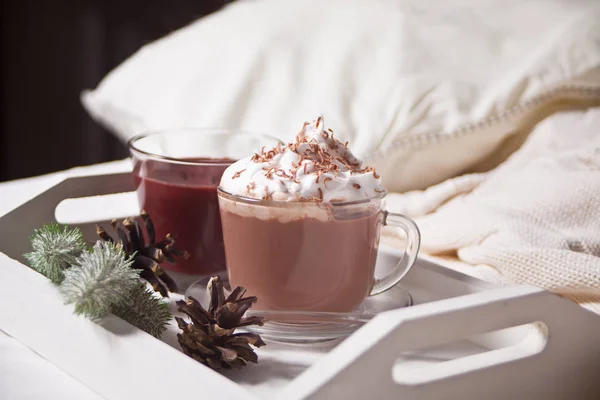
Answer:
(268, 155)
(269, 171)
(370, 169)
(238, 174)
(310, 150)
(312, 198)
(267, 196)
(283, 186)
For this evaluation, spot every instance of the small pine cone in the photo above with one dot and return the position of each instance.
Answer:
(147, 252)
(209, 337)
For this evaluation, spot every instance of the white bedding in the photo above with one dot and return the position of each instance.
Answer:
(402, 80)
(535, 219)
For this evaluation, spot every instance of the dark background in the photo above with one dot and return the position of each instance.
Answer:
(52, 50)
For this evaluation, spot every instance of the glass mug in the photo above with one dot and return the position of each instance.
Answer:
(176, 174)
(310, 256)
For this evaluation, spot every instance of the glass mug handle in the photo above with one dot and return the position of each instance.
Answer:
(413, 242)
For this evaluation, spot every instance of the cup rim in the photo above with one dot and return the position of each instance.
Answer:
(219, 131)
(295, 203)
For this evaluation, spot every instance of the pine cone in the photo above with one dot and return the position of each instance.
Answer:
(210, 337)
(146, 256)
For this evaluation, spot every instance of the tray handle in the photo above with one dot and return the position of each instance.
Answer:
(363, 364)
(18, 225)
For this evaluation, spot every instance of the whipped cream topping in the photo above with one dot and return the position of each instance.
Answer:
(313, 167)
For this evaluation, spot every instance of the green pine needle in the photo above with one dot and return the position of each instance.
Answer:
(99, 280)
(144, 310)
(54, 250)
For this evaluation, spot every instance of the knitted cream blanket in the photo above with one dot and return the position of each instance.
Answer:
(535, 219)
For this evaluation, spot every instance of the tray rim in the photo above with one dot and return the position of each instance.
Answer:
(27, 277)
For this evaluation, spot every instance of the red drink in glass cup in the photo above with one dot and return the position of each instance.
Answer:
(176, 174)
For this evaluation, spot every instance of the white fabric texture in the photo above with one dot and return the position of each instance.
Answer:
(536, 218)
(402, 80)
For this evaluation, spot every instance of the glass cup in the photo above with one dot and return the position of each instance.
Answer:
(176, 174)
(310, 256)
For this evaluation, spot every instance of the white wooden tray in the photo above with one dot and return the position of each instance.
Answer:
(463, 339)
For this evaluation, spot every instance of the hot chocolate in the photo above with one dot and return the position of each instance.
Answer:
(303, 262)
(301, 224)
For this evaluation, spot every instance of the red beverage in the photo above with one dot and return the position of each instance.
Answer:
(182, 200)
(176, 174)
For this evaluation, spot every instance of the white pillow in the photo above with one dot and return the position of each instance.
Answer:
(403, 81)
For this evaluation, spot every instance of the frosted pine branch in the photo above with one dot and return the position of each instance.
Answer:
(144, 310)
(99, 280)
(54, 250)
